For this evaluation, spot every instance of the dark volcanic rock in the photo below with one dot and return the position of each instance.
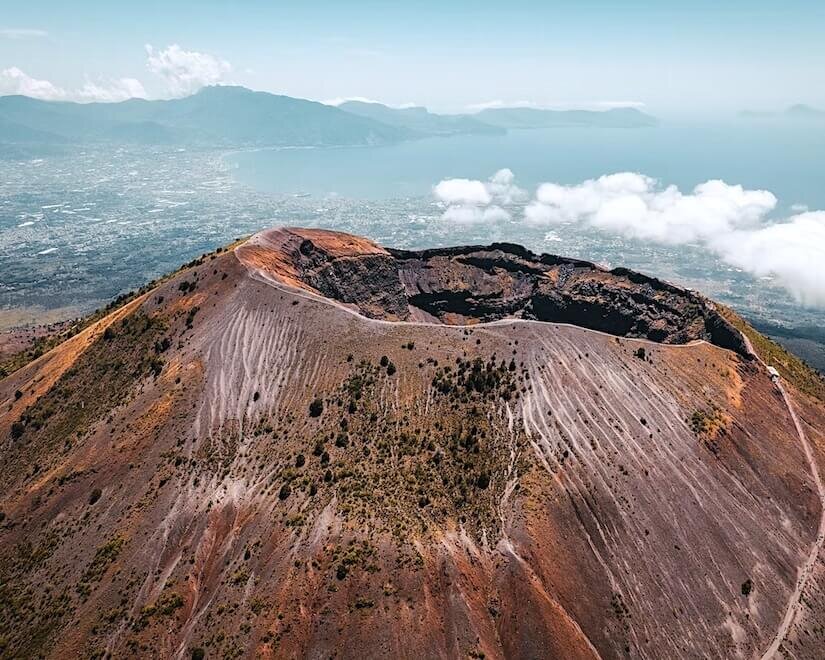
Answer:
(472, 284)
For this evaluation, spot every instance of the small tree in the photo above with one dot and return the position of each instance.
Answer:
(483, 480)
(747, 587)
(316, 408)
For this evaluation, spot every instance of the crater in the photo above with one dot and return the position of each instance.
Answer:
(483, 283)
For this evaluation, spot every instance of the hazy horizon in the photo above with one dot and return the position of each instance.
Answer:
(679, 61)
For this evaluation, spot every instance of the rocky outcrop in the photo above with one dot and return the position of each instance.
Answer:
(346, 268)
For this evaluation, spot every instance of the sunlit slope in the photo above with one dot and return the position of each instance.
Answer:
(236, 463)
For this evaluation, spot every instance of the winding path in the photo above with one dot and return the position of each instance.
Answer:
(806, 569)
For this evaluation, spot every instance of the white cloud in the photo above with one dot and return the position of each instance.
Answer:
(635, 205)
(473, 201)
(791, 252)
(15, 81)
(728, 220)
(22, 33)
(498, 103)
(503, 189)
(343, 99)
(462, 191)
(183, 71)
(186, 71)
(111, 91)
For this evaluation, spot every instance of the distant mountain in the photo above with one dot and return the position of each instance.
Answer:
(756, 114)
(538, 118)
(421, 120)
(802, 111)
(20, 134)
(224, 116)
(798, 111)
(215, 116)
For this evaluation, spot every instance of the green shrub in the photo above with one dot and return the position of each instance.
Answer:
(17, 429)
(316, 408)
(747, 587)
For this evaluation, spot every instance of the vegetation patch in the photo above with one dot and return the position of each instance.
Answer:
(105, 555)
(165, 606)
(99, 380)
(389, 463)
(29, 621)
(709, 425)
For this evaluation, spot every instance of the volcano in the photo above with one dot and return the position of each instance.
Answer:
(309, 445)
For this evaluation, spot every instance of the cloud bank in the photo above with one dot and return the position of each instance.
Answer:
(15, 81)
(185, 71)
(732, 222)
(22, 33)
(110, 91)
(792, 252)
(635, 205)
(182, 71)
(469, 201)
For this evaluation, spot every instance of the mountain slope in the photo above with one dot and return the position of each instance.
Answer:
(802, 111)
(283, 450)
(217, 116)
(539, 118)
(421, 120)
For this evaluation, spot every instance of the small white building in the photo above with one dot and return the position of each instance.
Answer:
(774, 374)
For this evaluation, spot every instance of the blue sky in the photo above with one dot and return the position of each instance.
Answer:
(678, 58)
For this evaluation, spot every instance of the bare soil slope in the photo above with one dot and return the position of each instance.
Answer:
(312, 446)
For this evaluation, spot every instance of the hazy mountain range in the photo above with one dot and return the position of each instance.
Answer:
(420, 119)
(798, 111)
(539, 118)
(236, 116)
